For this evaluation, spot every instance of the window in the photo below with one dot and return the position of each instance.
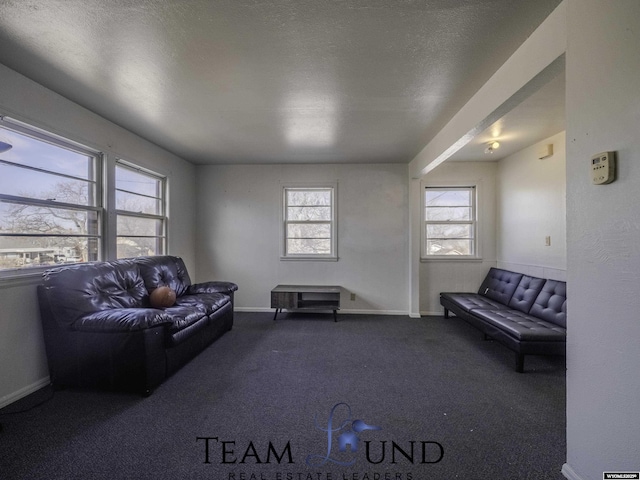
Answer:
(140, 210)
(449, 222)
(50, 200)
(309, 223)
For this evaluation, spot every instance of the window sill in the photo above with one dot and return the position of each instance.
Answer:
(28, 276)
(304, 258)
(33, 277)
(452, 258)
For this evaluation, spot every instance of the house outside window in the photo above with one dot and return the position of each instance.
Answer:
(309, 223)
(50, 200)
(450, 222)
(140, 211)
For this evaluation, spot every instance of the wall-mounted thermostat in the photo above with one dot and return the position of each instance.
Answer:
(603, 168)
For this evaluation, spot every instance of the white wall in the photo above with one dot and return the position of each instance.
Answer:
(603, 239)
(531, 205)
(461, 275)
(23, 366)
(239, 233)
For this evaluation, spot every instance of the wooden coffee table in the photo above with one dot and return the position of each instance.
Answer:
(306, 297)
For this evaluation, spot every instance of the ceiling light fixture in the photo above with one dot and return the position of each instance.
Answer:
(492, 146)
(4, 146)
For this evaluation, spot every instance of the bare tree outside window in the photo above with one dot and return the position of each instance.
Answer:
(32, 235)
(48, 202)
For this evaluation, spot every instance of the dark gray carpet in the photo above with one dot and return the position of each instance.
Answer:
(425, 382)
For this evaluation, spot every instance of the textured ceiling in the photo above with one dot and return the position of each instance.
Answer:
(275, 81)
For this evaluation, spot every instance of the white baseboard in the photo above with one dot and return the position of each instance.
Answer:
(568, 472)
(23, 392)
(374, 312)
(341, 311)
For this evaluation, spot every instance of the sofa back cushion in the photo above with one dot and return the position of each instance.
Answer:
(76, 290)
(551, 303)
(526, 292)
(164, 271)
(499, 285)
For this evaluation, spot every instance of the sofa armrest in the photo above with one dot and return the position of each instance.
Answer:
(121, 320)
(212, 287)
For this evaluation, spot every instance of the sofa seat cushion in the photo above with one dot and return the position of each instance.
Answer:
(182, 316)
(122, 320)
(472, 301)
(522, 326)
(208, 302)
(212, 287)
(187, 331)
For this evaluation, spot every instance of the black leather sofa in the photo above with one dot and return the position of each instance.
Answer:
(101, 332)
(526, 314)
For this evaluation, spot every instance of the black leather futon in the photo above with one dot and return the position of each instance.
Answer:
(526, 314)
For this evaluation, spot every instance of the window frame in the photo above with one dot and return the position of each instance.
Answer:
(474, 188)
(95, 198)
(333, 223)
(163, 216)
